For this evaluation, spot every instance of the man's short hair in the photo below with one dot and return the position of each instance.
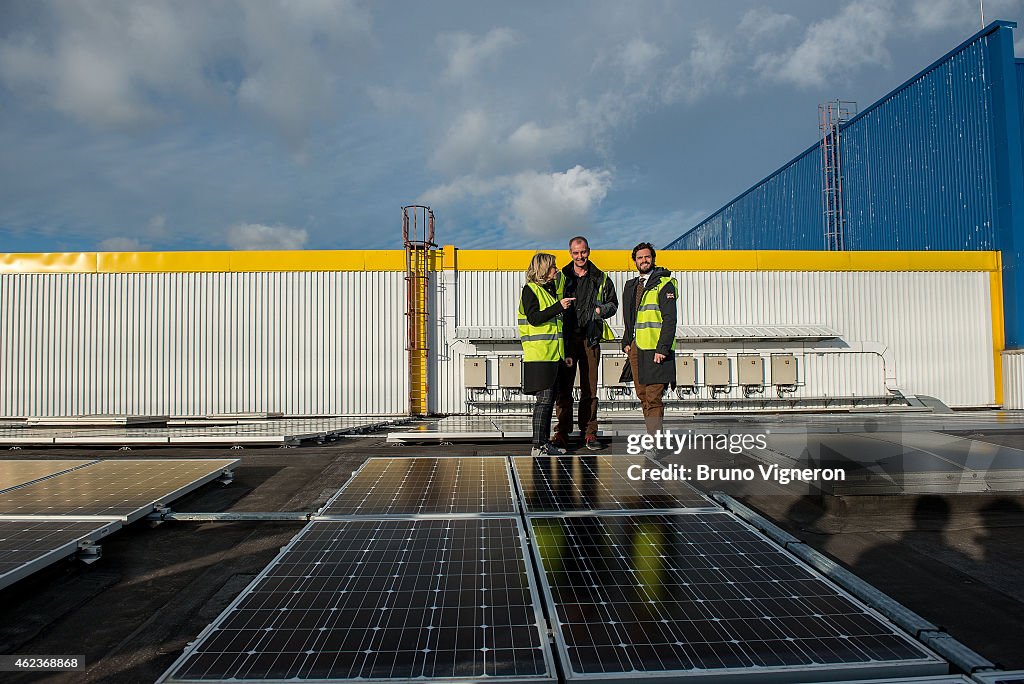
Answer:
(579, 238)
(644, 245)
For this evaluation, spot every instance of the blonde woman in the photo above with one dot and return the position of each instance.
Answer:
(541, 306)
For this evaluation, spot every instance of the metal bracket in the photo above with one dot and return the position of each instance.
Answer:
(88, 552)
(226, 477)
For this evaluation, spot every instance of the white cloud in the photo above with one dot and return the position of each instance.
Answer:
(467, 54)
(834, 47)
(257, 236)
(704, 69)
(467, 143)
(122, 64)
(547, 204)
(935, 15)
(637, 57)
(120, 244)
(761, 23)
(156, 227)
(531, 142)
(478, 143)
(532, 203)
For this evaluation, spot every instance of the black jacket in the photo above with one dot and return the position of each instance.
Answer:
(580, 320)
(540, 375)
(653, 373)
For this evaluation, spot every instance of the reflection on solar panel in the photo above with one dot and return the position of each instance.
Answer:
(426, 485)
(29, 545)
(667, 595)
(566, 483)
(121, 489)
(384, 600)
(891, 462)
(16, 472)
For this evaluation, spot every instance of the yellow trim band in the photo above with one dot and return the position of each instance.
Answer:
(204, 262)
(995, 289)
(488, 260)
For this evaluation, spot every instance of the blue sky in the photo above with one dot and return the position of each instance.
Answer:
(284, 125)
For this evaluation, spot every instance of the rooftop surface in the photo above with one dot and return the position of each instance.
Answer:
(955, 559)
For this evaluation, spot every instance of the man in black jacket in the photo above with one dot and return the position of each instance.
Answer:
(649, 341)
(585, 327)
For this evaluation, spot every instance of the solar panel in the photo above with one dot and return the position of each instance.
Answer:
(385, 600)
(124, 489)
(27, 545)
(17, 472)
(661, 595)
(589, 483)
(237, 431)
(426, 485)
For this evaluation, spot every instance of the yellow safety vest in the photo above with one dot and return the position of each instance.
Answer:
(543, 342)
(648, 317)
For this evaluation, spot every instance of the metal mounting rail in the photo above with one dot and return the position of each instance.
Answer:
(300, 516)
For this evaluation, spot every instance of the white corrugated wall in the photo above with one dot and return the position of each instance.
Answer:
(316, 343)
(1013, 379)
(309, 343)
(932, 331)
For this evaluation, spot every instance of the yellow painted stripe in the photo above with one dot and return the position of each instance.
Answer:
(72, 262)
(738, 260)
(488, 260)
(204, 262)
(995, 288)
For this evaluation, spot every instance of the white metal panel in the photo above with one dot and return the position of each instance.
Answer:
(1013, 379)
(323, 343)
(310, 343)
(931, 331)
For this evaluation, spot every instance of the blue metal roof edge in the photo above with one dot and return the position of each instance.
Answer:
(991, 28)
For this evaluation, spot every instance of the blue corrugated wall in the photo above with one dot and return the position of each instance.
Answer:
(937, 164)
(918, 171)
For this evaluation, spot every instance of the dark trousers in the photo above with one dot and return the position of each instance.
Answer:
(542, 416)
(585, 362)
(650, 396)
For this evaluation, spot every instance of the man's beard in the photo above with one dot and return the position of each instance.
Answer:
(645, 271)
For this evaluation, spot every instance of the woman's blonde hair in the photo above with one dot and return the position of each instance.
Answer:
(539, 267)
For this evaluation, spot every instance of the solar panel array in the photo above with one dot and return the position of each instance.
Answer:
(383, 600)
(426, 485)
(122, 489)
(47, 507)
(426, 578)
(702, 592)
(27, 545)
